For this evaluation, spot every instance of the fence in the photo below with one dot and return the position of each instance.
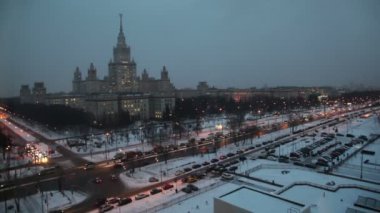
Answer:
(328, 188)
(275, 166)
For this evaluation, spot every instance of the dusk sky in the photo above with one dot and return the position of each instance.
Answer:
(240, 43)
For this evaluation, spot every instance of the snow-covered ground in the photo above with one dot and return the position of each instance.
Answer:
(45, 202)
(40, 129)
(327, 201)
(272, 171)
(276, 175)
(199, 202)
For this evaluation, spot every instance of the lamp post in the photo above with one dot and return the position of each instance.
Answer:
(160, 169)
(105, 147)
(5, 199)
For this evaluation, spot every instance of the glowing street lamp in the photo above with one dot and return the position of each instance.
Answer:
(219, 127)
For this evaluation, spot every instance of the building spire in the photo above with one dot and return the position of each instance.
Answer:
(121, 23)
(121, 37)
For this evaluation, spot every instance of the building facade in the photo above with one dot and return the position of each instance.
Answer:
(120, 91)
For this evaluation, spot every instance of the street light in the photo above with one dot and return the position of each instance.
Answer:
(160, 169)
(105, 147)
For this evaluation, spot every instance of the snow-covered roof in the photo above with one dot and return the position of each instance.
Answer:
(257, 201)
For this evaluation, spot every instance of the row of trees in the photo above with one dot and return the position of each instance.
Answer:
(58, 116)
(194, 108)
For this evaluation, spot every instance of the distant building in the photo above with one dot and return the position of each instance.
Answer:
(142, 97)
(121, 91)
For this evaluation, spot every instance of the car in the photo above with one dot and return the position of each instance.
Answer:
(124, 201)
(114, 177)
(186, 190)
(100, 202)
(167, 186)
(205, 163)
(192, 187)
(141, 196)
(153, 179)
(214, 160)
(98, 180)
(89, 165)
(222, 157)
(112, 200)
(227, 176)
(239, 152)
(105, 208)
(118, 166)
(242, 158)
(48, 171)
(232, 168)
(230, 154)
(196, 166)
(200, 175)
(189, 179)
(179, 172)
(187, 169)
(155, 191)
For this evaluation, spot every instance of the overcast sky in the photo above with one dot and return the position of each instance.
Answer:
(239, 43)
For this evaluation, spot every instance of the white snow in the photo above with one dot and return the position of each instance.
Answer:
(46, 201)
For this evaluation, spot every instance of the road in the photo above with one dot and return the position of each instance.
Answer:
(77, 178)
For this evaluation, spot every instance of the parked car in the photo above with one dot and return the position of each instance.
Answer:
(227, 176)
(155, 191)
(242, 158)
(167, 186)
(214, 160)
(100, 202)
(112, 200)
(153, 179)
(205, 163)
(191, 179)
(222, 157)
(105, 208)
(186, 190)
(124, 201)
(187, 169)
(196, 166)
(141, 196)
(232, 168)
(178, 172)
(230, 154)
(193, 187)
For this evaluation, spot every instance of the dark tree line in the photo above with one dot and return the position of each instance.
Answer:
(206, 105)
(58, 116)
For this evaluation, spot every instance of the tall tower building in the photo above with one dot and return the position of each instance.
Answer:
(91, 73)
(122, 70)
(77, 80)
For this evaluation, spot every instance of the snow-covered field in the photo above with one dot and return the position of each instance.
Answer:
(45, 202)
